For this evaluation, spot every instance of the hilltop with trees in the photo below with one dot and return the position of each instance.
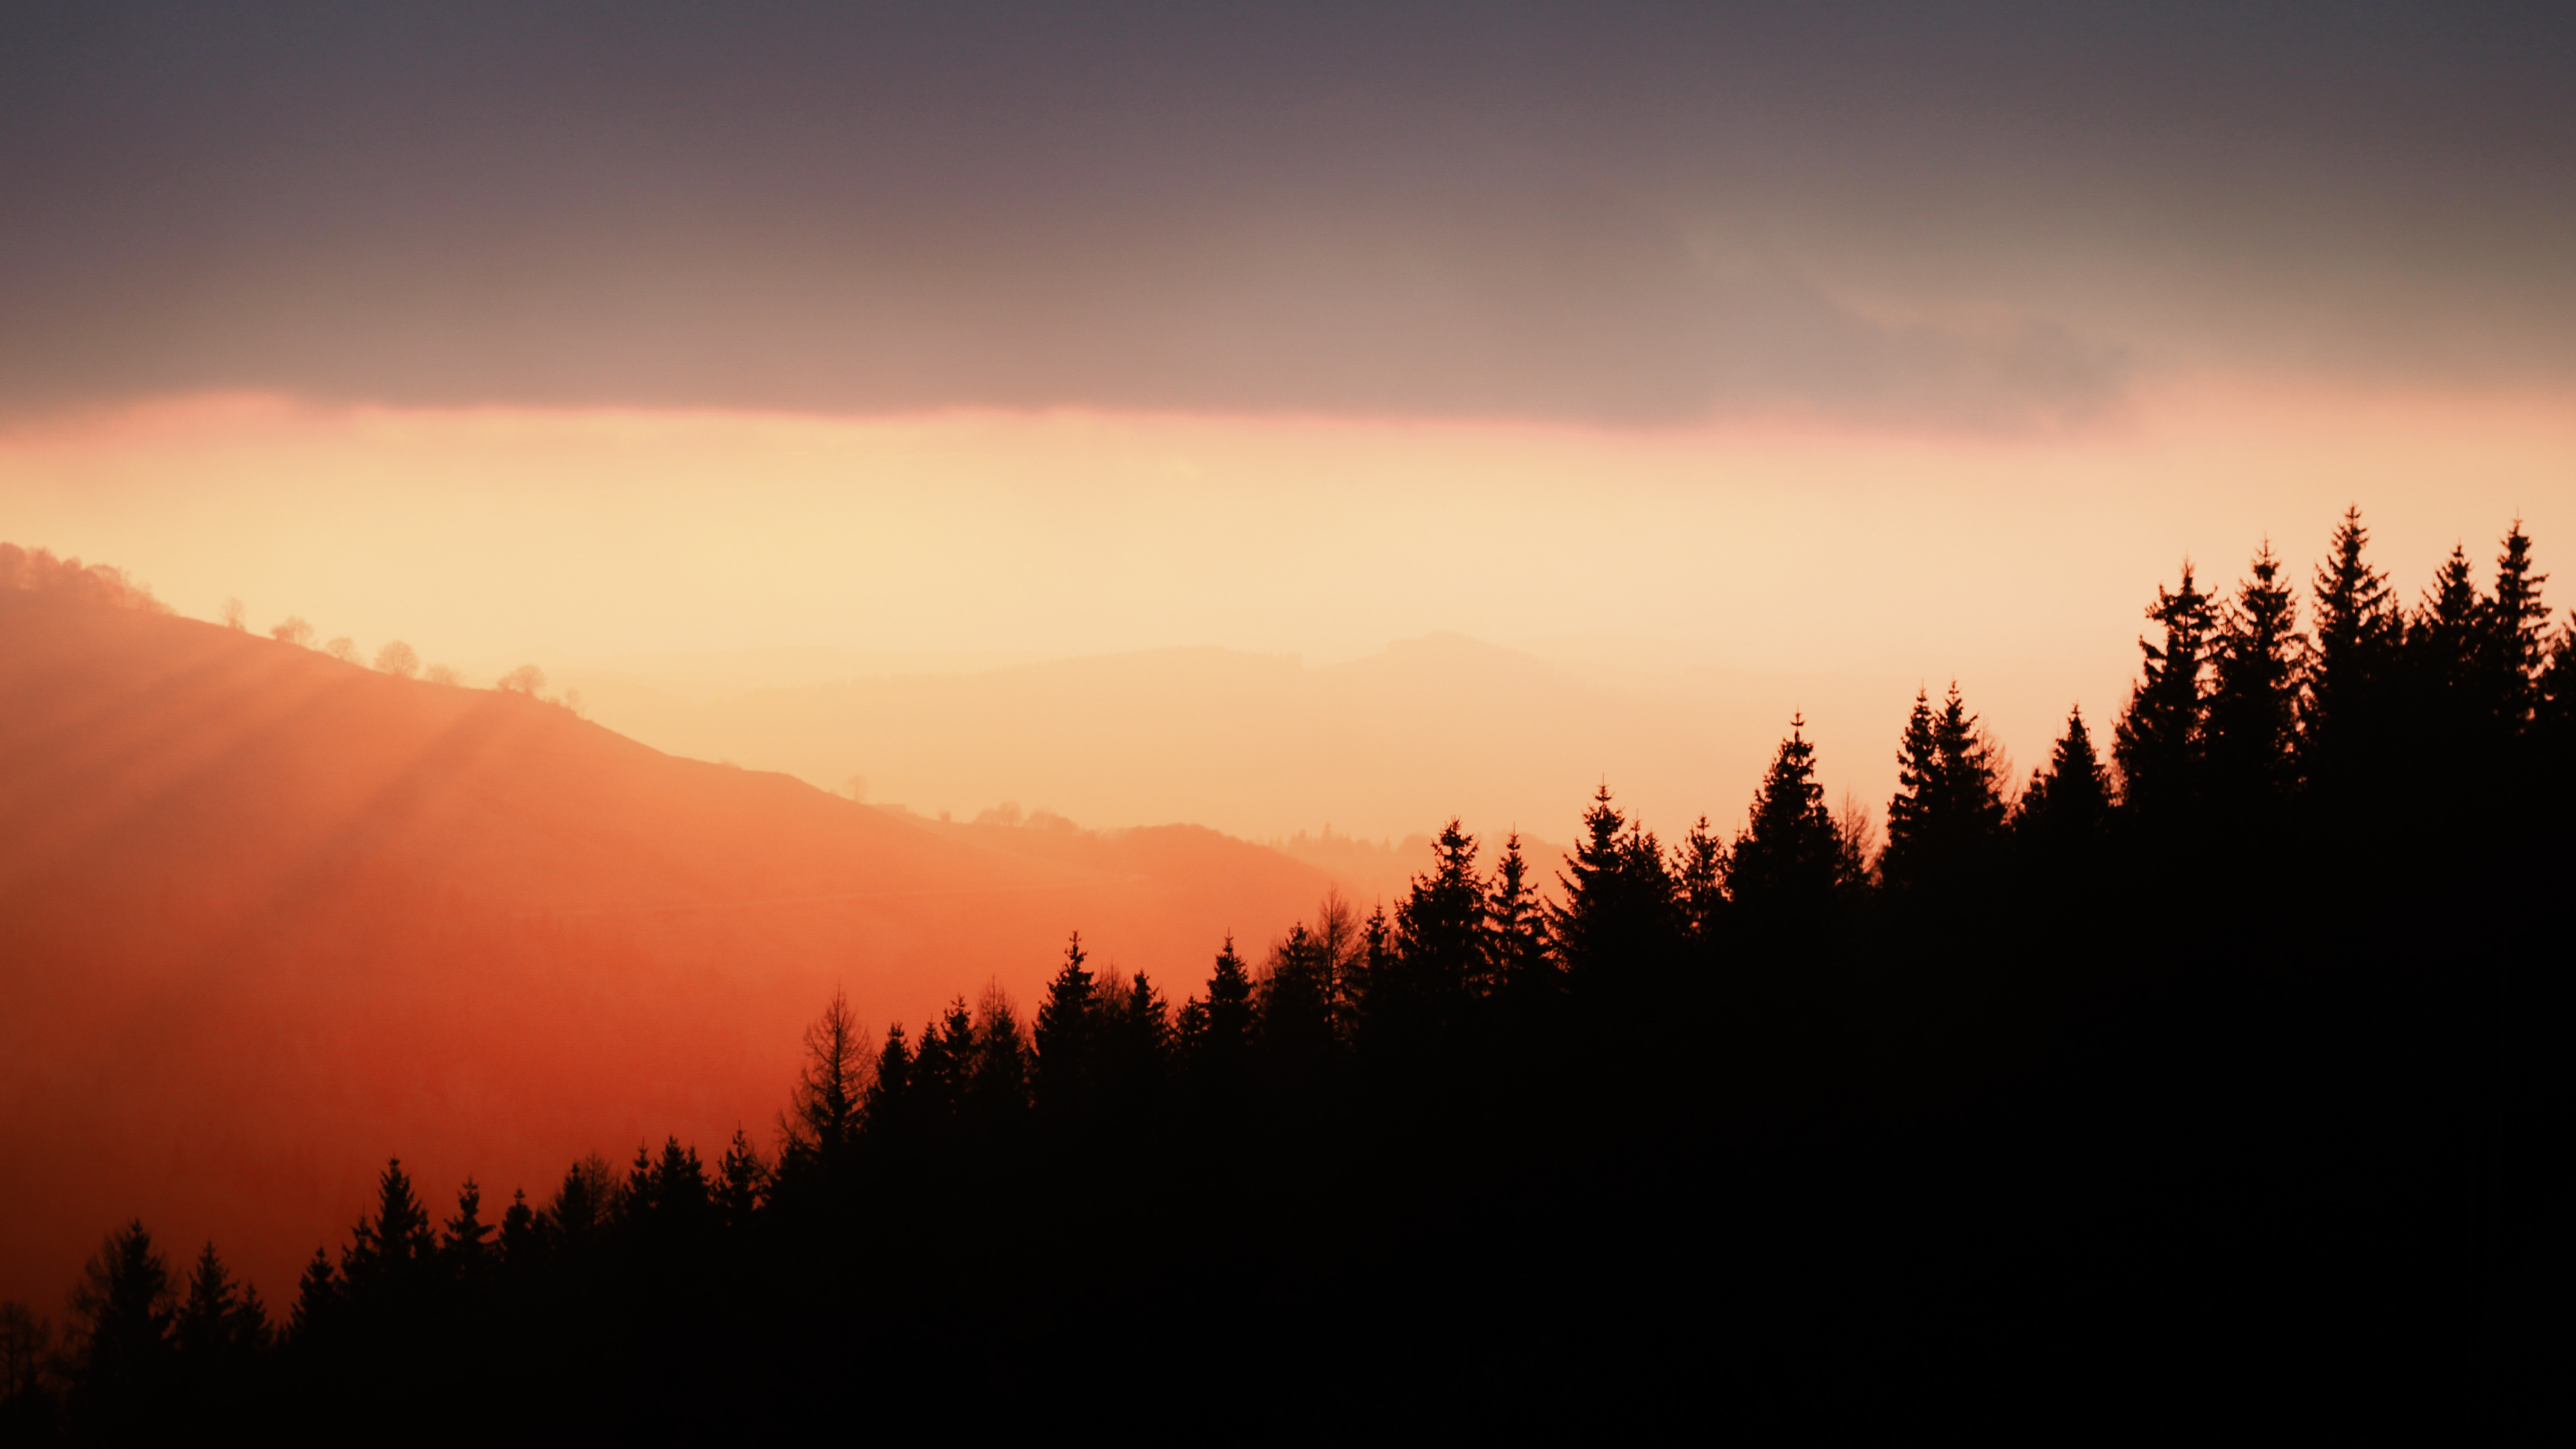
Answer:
(2212, 1077)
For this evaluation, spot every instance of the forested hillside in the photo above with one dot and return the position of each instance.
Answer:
(263, 909)
(2210, 1079)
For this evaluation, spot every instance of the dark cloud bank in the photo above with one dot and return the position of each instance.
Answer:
(1988, 215)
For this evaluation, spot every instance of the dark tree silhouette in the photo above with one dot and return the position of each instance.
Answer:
(2516, 644)
(1441, 961)
(1786, 864)
(467, 1250)
(220, 1323)
(2160, 741)
(2254, 698)
(122, 1313)
(2064, 813)
(823, 1117)
(1946, 821)
(1699, 884)
(742, 1183)
(393, 1256)
(1618, 921)
(1216, 1033)
(1518, 946)
(2344, 704)
(2244, 1081)
(1066, 1026)
(997, 1087)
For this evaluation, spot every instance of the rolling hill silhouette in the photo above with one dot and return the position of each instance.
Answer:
(268, 915)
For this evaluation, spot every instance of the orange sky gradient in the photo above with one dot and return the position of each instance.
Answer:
(2016, 563)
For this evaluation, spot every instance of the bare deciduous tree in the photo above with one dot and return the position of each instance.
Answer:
(398, 659)
(527, 679)
(294, 631)
(343, 648)
(233, 612)
(441, 674)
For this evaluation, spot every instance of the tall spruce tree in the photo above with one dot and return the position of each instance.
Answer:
(1135, 1051)
(1618, 920)
(1216, 1034)
(2446, 634)
(1786, 862)
(742, 1184)
(2065, 811)
(522, 1238)
(393, 1255)
(318, 1299)
(941, 1066)
(1946, 820)
(2254, 699)
(2344, 708)
(122, 1313)
(1516, 942)
(219, 1323)
(2515, 643)
(1067, 1022)
(885, 1108)
(466, 1253)
(2161, 740)
(1699, 889)
(997, 1087)
(1440, 955)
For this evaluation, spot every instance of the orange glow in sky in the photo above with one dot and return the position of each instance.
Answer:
(2016, 564)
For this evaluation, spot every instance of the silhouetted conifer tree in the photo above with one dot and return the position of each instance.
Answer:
(317, 1300)
(1293, 996)
(467, 1253)
(121, 1319)
(998, 1084)
(2065, 812)
(2515, 643)
(2160, 742)
(393, 1256)
(885, 1108)
(522, 1245)
(667, 1195)
(584, 1203)
(1699, 883)
(1917, 762)
(1371, 964)
(2351, 669)
(1619, 921)
(742, 1180)
(1217, 1032)
(220, 1322)
(1517, 946)
(1066, 1024)
(1440, 957)
(1135, 1051)
(1946, 820)
(2253, 717)
(1787, 861)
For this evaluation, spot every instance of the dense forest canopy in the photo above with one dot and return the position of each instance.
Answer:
(2217, 1060)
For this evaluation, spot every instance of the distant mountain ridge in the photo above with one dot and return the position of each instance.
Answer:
(266, 916)
(1266, 746)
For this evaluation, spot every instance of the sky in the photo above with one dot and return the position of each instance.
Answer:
(1910, 341)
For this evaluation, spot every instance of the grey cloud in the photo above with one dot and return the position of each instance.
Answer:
(1444, 210)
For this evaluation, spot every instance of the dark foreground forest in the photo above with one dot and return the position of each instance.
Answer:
(2213, 1078)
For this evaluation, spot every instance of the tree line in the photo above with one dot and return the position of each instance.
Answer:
(2280, 950)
